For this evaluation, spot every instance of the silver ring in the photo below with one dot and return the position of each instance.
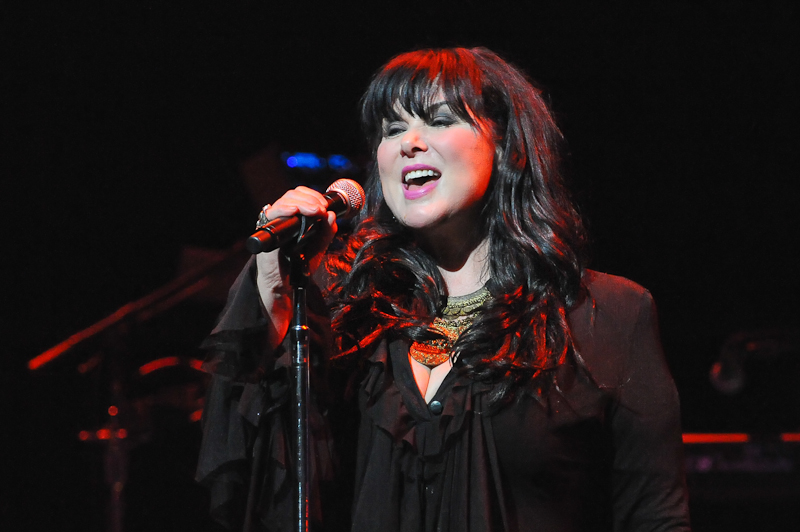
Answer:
(262, 217)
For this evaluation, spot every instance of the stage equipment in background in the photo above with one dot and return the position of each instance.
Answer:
(768, 349)
(128, 416)
(749, 462)
(757, 377)
(743, 481)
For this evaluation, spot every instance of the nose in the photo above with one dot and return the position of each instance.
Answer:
(412, 143)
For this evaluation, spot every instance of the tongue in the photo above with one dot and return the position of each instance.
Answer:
(419, 181)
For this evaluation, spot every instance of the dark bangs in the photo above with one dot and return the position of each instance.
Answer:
(413, 80)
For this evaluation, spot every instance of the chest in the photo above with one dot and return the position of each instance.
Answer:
(570, 426)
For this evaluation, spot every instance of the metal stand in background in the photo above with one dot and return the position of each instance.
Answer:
(115, 327)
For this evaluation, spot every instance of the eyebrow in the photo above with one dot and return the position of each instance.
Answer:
(430, 111)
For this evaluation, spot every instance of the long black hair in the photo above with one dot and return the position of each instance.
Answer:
(384, 285)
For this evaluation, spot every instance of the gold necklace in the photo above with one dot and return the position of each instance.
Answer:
(459, 313)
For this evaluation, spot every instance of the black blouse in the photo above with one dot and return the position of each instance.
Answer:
(602, 452)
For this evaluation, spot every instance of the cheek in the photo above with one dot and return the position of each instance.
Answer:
(489, 158)
(488, 149)
(472, 149)
(382, 158)
(478, 162)
(385, 175)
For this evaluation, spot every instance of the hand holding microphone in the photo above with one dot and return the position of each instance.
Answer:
(298, 214)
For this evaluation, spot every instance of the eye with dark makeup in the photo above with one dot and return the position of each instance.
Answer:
(391, 129)
(443, 118)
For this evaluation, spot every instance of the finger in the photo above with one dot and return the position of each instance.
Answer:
(293, 203)
(332, 221)
(302, 200)
(323, 238)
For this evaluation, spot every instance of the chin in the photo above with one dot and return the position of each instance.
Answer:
(415, 219)
(414, 223)
(423, 224)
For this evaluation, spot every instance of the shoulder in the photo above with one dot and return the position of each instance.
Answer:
(615, 327)
(612, 304)
(610, 287)
(613, 294)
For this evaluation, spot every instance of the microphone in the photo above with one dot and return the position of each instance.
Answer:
(345, 198)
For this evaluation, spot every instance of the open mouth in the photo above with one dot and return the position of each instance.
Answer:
(418, 178)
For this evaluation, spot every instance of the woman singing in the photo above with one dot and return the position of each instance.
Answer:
(497, 384)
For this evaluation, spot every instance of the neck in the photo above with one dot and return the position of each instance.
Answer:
(463, 262)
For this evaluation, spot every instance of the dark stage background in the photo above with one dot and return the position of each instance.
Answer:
(140, 137)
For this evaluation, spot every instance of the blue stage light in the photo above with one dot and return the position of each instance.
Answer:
(312, 162)
(309, 161)
(339, 162)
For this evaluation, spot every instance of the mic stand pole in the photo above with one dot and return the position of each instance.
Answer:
(298, 278)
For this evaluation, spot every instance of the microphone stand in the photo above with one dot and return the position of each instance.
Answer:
(346, 197)
(298, 278)
(299, 374)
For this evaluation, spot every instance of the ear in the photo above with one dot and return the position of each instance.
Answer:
(499, 153)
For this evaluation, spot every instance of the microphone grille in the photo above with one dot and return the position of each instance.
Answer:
(352, 191)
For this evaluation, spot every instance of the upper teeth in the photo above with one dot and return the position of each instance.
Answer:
(416, 174)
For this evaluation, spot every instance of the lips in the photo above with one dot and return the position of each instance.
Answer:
(419, 180)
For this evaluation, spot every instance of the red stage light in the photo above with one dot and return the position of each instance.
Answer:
(716, 438)
(159, 364)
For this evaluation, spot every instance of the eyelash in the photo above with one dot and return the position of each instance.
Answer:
(437, 121)
(391, 130)
(443, 121)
